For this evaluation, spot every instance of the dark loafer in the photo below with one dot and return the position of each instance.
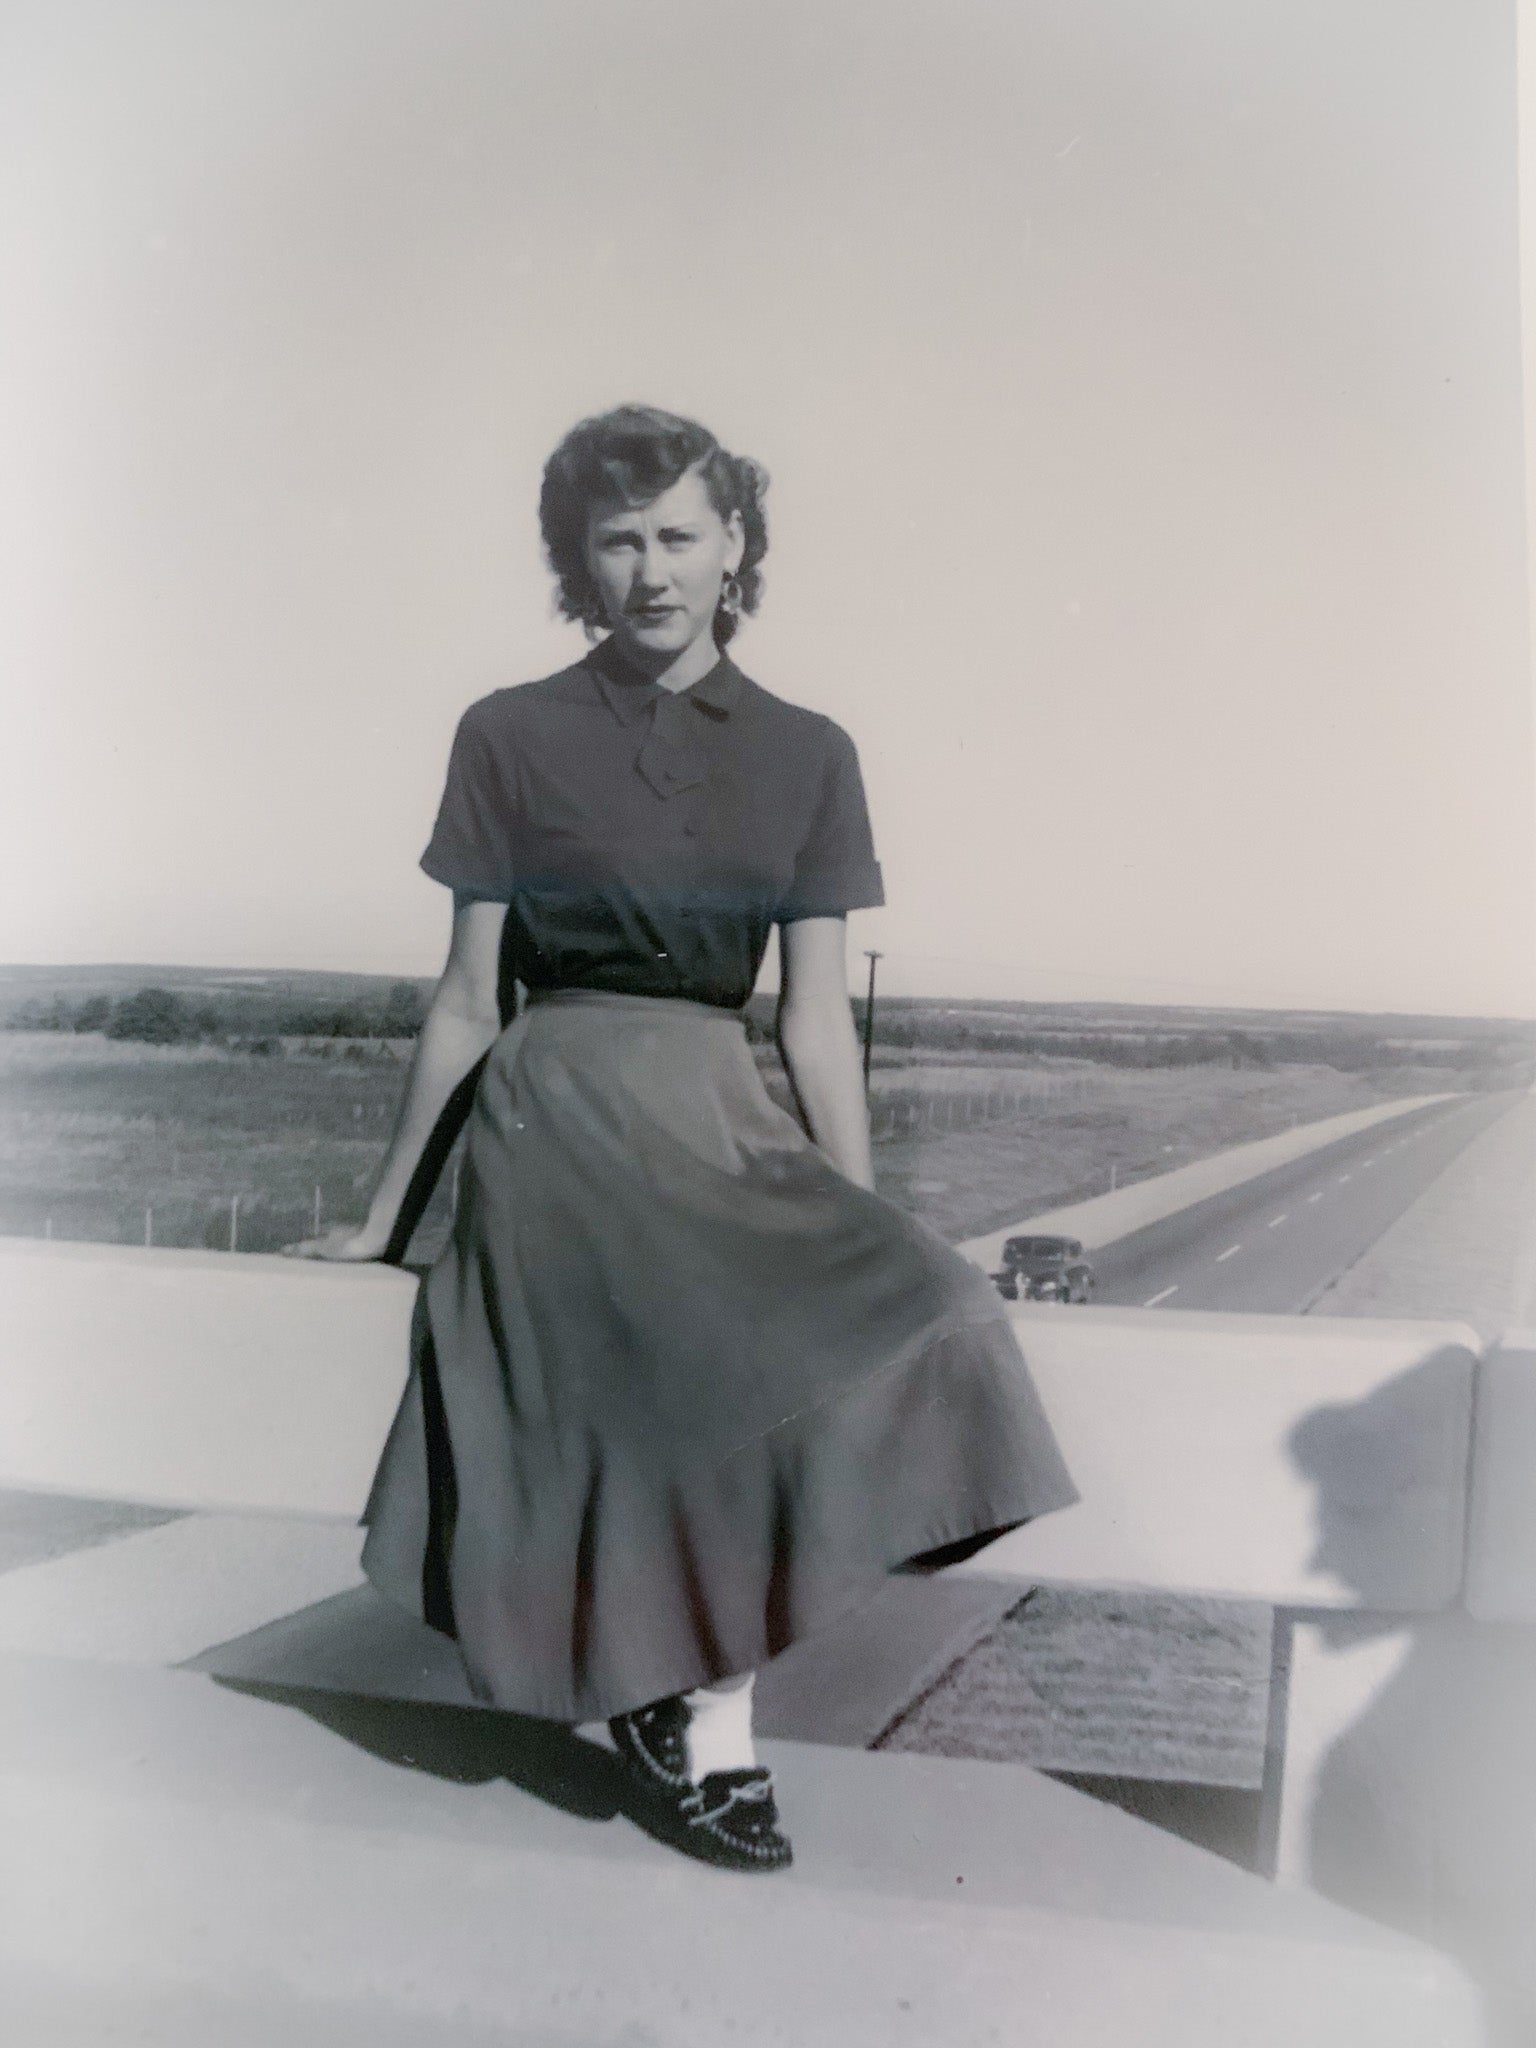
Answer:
(732, 1820)
(653, 1742)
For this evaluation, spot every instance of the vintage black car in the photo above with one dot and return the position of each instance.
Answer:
(1044, 1269)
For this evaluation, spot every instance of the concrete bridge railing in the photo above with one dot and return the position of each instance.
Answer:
(1368, 1480)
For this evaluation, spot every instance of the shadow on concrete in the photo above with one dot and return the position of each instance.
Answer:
(1424, 1808)
(467, 1746)
(1224, 1819)
(482, 1746)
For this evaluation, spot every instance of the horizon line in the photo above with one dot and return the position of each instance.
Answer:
(1116, 1002)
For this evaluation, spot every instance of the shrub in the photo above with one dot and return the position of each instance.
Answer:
(349, 1021)
(152, 1016)
(40, 1016)
(404, 1010)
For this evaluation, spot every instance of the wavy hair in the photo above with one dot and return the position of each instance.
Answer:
(628, 457)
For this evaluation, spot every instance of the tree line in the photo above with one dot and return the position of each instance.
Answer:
(261, 1020)
(1350, 1051)
(160, 1016)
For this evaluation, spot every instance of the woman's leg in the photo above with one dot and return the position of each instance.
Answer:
(718, 1732)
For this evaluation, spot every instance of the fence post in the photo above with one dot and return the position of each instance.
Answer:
(234, 1223)
(149, 1226)
(316, 1231)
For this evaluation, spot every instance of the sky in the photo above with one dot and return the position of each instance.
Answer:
(1140, 387)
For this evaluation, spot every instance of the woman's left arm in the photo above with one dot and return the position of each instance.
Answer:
(817, 1042)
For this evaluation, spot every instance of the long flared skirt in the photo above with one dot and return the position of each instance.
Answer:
(679, 1393)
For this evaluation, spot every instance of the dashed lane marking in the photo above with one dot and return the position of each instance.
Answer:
(1276, 1221)
(1317, 1197)
(1231, 1248)
(1342, 1178)
(1161, 1297)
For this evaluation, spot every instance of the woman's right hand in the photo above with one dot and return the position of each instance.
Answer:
(462, 1023)
(348, 1244)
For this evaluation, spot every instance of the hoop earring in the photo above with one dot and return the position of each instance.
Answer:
(730, 597)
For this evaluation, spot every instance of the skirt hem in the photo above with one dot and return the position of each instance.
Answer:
(572, 1712)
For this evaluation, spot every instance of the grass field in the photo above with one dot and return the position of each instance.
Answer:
(1088, 1123)
(94, 1134)
(1097, 1681)
(111, 1141)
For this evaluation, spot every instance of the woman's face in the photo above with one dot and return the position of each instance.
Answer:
(658, 569)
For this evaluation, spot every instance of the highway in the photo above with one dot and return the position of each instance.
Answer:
(1273, 1244)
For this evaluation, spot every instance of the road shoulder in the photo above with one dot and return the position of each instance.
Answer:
(1466, 1248)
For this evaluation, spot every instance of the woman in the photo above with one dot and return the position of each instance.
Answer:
(684, 1388)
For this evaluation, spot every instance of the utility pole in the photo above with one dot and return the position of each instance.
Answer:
(869, 1013)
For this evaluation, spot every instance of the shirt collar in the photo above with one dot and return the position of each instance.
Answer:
(629, 694)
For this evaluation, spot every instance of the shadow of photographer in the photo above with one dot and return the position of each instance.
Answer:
(1421, 1807)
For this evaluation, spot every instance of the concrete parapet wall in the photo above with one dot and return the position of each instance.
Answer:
(197, 1379)
(1501, 1531)
(1306, 1463)
(206, 1379)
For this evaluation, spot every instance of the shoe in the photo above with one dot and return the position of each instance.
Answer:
(732, 1820)
(653, 1742)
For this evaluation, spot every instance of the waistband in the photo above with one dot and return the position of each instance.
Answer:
(638, 1006)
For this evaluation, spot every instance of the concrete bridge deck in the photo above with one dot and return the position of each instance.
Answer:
(188, 1862)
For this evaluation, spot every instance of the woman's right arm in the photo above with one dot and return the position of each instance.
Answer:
(461, 1023)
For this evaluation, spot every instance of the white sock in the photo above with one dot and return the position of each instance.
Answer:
(720, 1728)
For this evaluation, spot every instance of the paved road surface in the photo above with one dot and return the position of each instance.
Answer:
(1274, 1243)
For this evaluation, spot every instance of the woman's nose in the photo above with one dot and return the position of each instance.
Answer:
(651, 568)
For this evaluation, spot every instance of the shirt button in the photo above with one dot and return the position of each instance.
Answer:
(690, 831)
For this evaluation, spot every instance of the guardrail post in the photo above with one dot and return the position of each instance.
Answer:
(1327, 1675)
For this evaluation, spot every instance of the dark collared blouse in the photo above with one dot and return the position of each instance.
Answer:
(647, 841)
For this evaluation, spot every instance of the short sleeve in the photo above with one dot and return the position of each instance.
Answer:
(835, 869)
(470, 849)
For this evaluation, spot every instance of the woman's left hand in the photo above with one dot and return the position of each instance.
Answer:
(344, 1244)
